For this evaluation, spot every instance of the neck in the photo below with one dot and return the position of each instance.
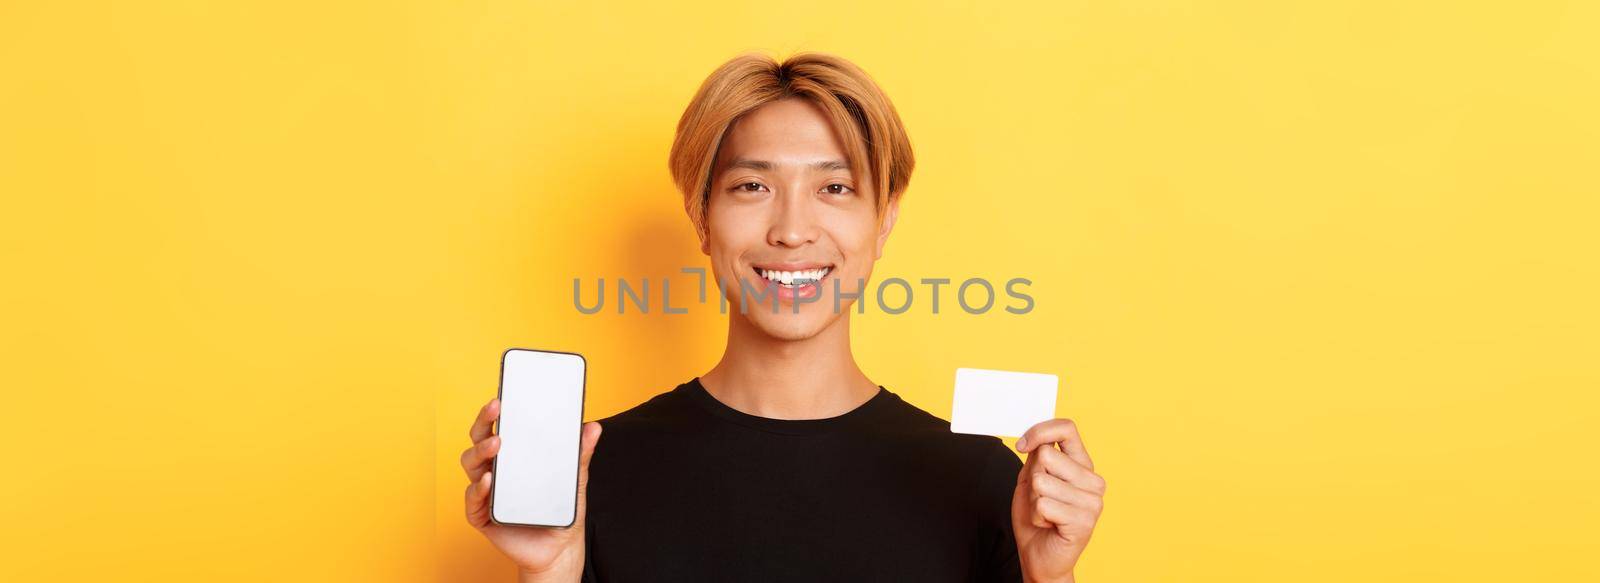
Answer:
(811, 378)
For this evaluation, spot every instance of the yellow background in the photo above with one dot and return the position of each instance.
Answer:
(1319, 279)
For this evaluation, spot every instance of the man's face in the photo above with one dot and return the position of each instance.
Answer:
(787, 218)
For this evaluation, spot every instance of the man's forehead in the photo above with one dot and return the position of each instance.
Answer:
(778, 151)
(782, 129)
(771, 140)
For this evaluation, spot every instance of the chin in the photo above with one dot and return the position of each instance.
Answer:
(787, 325)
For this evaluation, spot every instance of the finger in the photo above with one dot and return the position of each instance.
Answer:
(483, 426)
(1058, 464)
(1038, 520)
(478, 500)
(1063, 431)
(1047, 512)
(475, 460)
(1027, 470)
(1047, 486)
(586, 444)
(1026, 494)
(1070, 521)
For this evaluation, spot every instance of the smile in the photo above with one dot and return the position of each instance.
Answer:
(794, 278)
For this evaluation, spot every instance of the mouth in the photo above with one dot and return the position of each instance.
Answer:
(794, 277)
(794, 280)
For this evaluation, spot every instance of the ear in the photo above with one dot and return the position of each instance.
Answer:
(887, 224)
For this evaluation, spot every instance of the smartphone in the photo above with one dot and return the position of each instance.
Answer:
(541, 420)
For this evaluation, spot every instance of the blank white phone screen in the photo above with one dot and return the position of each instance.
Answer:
(541, 418)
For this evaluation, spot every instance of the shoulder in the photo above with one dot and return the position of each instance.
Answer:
(986, 466)
(659, 411)
(987, 451)
(643, 434)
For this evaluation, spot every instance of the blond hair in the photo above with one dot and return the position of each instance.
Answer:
(858, 109)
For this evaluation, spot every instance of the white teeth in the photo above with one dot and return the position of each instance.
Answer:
(790, 277)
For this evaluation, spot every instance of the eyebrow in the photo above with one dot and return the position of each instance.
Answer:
(764, 165)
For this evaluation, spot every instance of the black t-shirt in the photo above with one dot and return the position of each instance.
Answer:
(685, 488)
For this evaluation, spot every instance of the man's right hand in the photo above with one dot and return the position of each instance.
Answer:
(541, 554)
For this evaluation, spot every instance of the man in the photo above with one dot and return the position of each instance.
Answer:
(784, 462)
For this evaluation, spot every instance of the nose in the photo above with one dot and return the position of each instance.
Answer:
(793, 222)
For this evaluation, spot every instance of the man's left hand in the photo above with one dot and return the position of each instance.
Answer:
(1056, 503)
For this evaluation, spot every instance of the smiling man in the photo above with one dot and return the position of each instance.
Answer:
(785, 462)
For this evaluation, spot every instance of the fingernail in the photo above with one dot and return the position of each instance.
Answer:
(1021, 443)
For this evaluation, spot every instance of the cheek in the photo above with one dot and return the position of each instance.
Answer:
(857, 236)
(730, 233)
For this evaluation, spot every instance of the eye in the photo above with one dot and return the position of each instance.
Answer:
(837, 188)
(749, 187)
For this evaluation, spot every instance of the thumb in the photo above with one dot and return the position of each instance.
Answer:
(588, 438)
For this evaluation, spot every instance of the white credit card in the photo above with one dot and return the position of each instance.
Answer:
(1001, 403)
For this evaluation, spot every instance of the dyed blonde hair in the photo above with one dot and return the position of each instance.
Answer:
(861, 114)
